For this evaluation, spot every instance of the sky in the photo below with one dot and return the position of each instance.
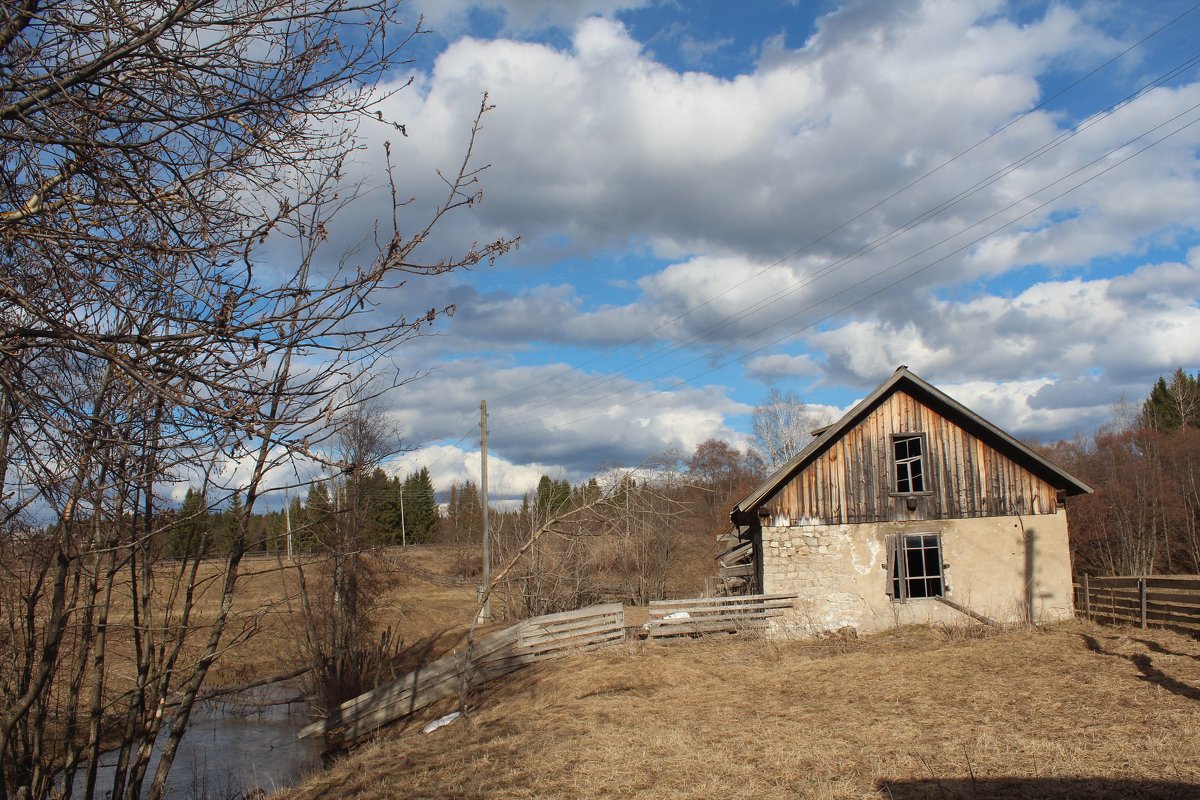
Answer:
(715, 199)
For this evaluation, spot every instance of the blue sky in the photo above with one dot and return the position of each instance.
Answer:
(714, 199)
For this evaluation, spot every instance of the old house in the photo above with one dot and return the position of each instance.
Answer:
(909, 509)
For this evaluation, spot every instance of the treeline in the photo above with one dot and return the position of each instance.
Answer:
(1144, 516)
(391, 511)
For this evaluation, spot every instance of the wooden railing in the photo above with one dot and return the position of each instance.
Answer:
(1168, 601)
(715, 614)
(491, 657)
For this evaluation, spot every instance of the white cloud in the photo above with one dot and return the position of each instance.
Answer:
(1060, 350)
(602, 146)
(595, 147)
(556, 415)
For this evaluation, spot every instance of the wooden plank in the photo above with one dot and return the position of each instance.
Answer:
(607, 608)
(566, 626)
(567, 639)
(729, 537)
(534, 655)
(1174, 598)
(1132, 617)
(747, 598)
(1181, 582)
(1121, 582)
(392, 706)
(763, 613)
(714, 605)
(370, 722)
(564, 642)
(1098, 594)
(723, 611)
(1184, 611)
(725, 620)
(697, 628)
(732, 556)
(447, 665)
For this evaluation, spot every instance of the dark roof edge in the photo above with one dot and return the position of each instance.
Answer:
(1072, 485)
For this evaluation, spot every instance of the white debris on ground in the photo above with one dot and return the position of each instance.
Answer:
(672, 615)
(441, 722)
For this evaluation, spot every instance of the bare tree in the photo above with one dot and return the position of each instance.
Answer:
(338, 580)
(782, 426)
(148, 150)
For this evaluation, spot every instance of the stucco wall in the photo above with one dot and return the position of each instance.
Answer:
(839, 572)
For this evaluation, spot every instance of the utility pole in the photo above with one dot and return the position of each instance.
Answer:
(485, 613)
(403, 532)
(287, 516)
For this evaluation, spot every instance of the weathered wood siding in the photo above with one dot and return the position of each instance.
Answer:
(852, 481)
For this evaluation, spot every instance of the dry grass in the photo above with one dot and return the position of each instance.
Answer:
(1073, 711)
(262, 635)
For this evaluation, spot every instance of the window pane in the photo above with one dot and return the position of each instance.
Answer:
(932, 559)
(916, 569)
(917, 481)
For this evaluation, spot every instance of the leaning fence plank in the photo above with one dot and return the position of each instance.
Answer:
(492, 656)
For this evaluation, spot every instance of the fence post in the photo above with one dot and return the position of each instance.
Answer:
(1087, 597)
(1142, 598)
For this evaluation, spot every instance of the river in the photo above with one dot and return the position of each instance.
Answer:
(229, 752)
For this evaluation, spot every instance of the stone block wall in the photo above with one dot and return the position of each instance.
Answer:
(840, 574)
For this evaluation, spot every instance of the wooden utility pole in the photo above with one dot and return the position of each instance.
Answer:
(287, 516)
(485, 613)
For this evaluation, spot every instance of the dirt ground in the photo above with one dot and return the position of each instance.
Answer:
(1072, 711)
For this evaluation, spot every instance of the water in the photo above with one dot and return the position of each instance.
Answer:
(229, 751)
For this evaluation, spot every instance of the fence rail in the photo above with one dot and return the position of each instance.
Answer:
(715, 614)
(490, 657)
(1166, 601)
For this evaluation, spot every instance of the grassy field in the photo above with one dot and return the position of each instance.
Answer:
(266, 619)
(1071, 711)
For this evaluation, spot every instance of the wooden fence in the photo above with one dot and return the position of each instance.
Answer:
(715, 614)
(490, 657)
(1167, 601)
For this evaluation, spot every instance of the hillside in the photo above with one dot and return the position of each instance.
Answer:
(1073, 711)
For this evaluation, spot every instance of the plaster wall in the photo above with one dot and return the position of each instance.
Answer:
(1000, 567)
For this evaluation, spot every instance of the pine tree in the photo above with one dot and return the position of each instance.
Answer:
(316, 524)
(1173, 405)
(420, 507)
(190, 536)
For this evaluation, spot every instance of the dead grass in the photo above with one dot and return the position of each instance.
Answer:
(262, 637)
(1073, 711)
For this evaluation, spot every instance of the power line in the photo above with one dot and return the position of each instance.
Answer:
(925, 216)
(899, 280)
(1044, 104)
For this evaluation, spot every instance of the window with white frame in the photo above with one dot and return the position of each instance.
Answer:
(915, 566)
(908, 459)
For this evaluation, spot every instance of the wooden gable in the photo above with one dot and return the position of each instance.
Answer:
(851, 480)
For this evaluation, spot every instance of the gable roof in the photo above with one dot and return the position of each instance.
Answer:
(933, 397)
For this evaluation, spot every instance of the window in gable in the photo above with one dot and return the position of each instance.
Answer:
(909, 462)
(915, 566)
